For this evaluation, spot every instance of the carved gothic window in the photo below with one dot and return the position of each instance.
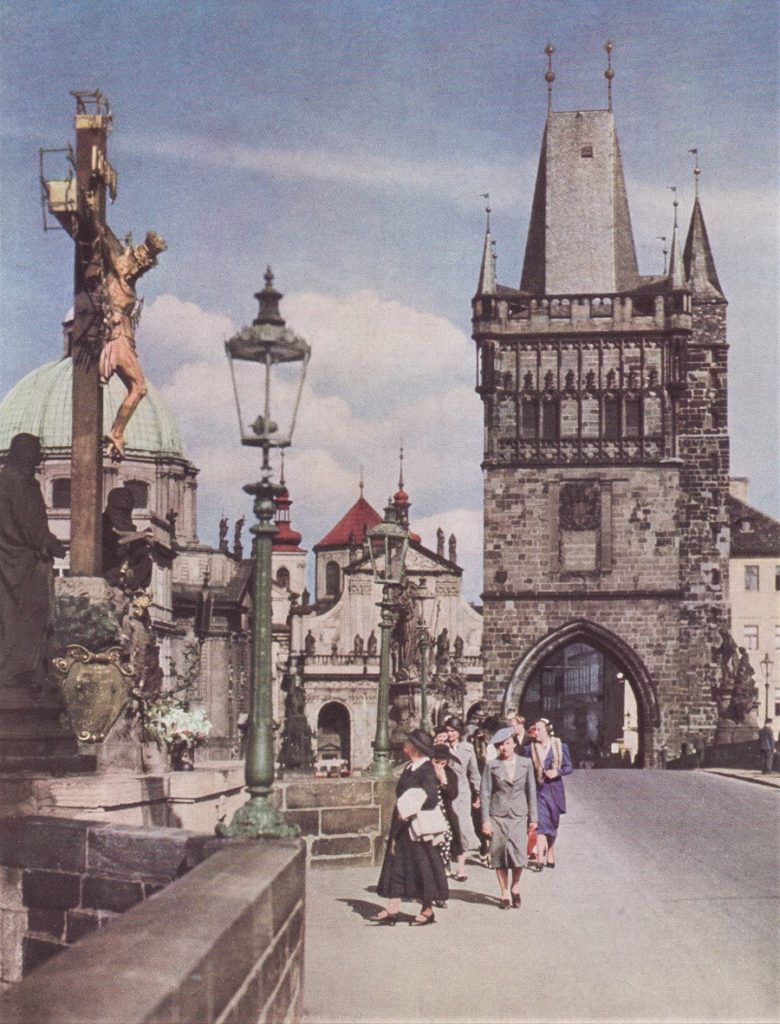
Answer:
(611, 418)
(580, 506)
(551, 430)
(528, 411)
(632, 420)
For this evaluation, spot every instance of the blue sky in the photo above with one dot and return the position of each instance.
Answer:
(347, 144)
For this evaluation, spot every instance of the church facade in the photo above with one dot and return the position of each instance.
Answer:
(606, 463)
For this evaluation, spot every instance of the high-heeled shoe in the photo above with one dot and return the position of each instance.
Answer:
(384, 918)
(427, 919)
(516, 901)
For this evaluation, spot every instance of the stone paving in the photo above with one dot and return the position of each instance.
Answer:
(663, 907)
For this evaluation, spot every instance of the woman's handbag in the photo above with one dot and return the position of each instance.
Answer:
(428, 826)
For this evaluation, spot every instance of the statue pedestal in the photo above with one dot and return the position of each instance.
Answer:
(729, 732)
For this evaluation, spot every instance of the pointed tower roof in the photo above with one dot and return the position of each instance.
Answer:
(487, 272)
(699, 263)
(579, 236)
(285, 538)
(351, 527)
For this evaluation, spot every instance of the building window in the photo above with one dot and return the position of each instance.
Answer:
(60, 492)
(751, 577)
(777, 577)
(529, 421)
(611, 419)
(750, 634)
(283, 577)
(586, 151)
(332, 579)
(632, 417)
(140, 492)
(550, 421)
(777, 638)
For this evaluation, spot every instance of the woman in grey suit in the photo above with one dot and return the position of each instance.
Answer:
(508, 802)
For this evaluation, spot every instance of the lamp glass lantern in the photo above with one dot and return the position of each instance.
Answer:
(387, 543)
(267, 362)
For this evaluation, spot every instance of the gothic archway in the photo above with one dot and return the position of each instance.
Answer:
(334, 731)
(596, 690)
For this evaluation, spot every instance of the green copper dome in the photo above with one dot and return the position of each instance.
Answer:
(41, 404)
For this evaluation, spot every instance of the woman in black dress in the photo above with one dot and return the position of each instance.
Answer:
(413, 868)
(452, 847)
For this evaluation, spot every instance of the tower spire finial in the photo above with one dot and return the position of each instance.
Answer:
(662, 238)
(360, 484)
(549, 75)
(675, 203)
(609, 74)
(486, 197)
(696, 171)
(401, 467)
(281, 473)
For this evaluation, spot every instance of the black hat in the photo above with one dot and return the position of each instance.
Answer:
(453, 722)
(422, 740)
(443, 753)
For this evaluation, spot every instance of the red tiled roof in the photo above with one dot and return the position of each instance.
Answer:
(360, 517)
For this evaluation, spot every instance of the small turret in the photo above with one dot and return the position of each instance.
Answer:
(487, 272)
(699, 263)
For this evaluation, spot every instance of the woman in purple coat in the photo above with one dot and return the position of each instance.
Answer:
(551, 762)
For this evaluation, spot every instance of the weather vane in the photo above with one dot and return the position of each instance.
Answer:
(549, 75)
(675, 204)
(486, 197)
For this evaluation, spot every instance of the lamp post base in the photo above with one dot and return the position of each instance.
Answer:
(381, 767)
(257, 819)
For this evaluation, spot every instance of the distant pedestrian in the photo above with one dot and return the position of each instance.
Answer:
(412, 868)
(551, 762)
(766, 747)
(518, 724)
(509, 810)
(467, 771)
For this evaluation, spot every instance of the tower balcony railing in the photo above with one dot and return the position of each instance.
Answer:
(605, 311)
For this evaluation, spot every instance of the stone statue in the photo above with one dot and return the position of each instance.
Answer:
(170, 517)
(357, 645)
(238, 547)
(728, 655)
(223, 532)
(127, 558)
(458, 647)
(122, 266)
(442, 650)
(453, 548)
(296, 748)
(27, 548)
(743, 696)
(309, 643)
(371, 645)
(440, 542)
(403, 635)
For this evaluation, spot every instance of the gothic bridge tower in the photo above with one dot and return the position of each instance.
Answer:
(605, 465)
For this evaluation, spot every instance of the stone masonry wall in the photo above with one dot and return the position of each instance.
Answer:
(222, 943)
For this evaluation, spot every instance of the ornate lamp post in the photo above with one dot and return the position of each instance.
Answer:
(766, 665)
(266, 350)
(426, 598)
(388, 542)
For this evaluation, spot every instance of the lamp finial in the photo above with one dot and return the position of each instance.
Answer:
(609, 74)
(549, 75)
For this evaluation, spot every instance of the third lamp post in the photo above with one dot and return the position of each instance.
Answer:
(387, 542)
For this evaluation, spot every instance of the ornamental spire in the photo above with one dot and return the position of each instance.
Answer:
(487, 271)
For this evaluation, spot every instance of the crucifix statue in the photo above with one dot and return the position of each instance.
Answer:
(105, 316)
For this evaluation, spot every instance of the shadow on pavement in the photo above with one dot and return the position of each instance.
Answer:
(362, 907)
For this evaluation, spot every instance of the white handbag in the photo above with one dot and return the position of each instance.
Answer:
(428, 825)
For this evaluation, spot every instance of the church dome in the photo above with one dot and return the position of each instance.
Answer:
(41, 404)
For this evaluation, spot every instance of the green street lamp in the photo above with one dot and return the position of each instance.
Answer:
(387, 544)
(266, 351)
(425, 598)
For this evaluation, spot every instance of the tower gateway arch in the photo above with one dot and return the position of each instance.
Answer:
(606, 459)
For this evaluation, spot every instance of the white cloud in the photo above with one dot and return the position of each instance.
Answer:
(454, 180)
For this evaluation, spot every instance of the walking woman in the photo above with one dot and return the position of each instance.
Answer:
(413, 868)
(451, 848)
(551, 762)
(508, 801)
(468, 790)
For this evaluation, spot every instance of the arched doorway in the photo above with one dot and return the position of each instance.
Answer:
(595, 691)
(333, 734)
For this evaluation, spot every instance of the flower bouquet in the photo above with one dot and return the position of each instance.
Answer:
(170, 721)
